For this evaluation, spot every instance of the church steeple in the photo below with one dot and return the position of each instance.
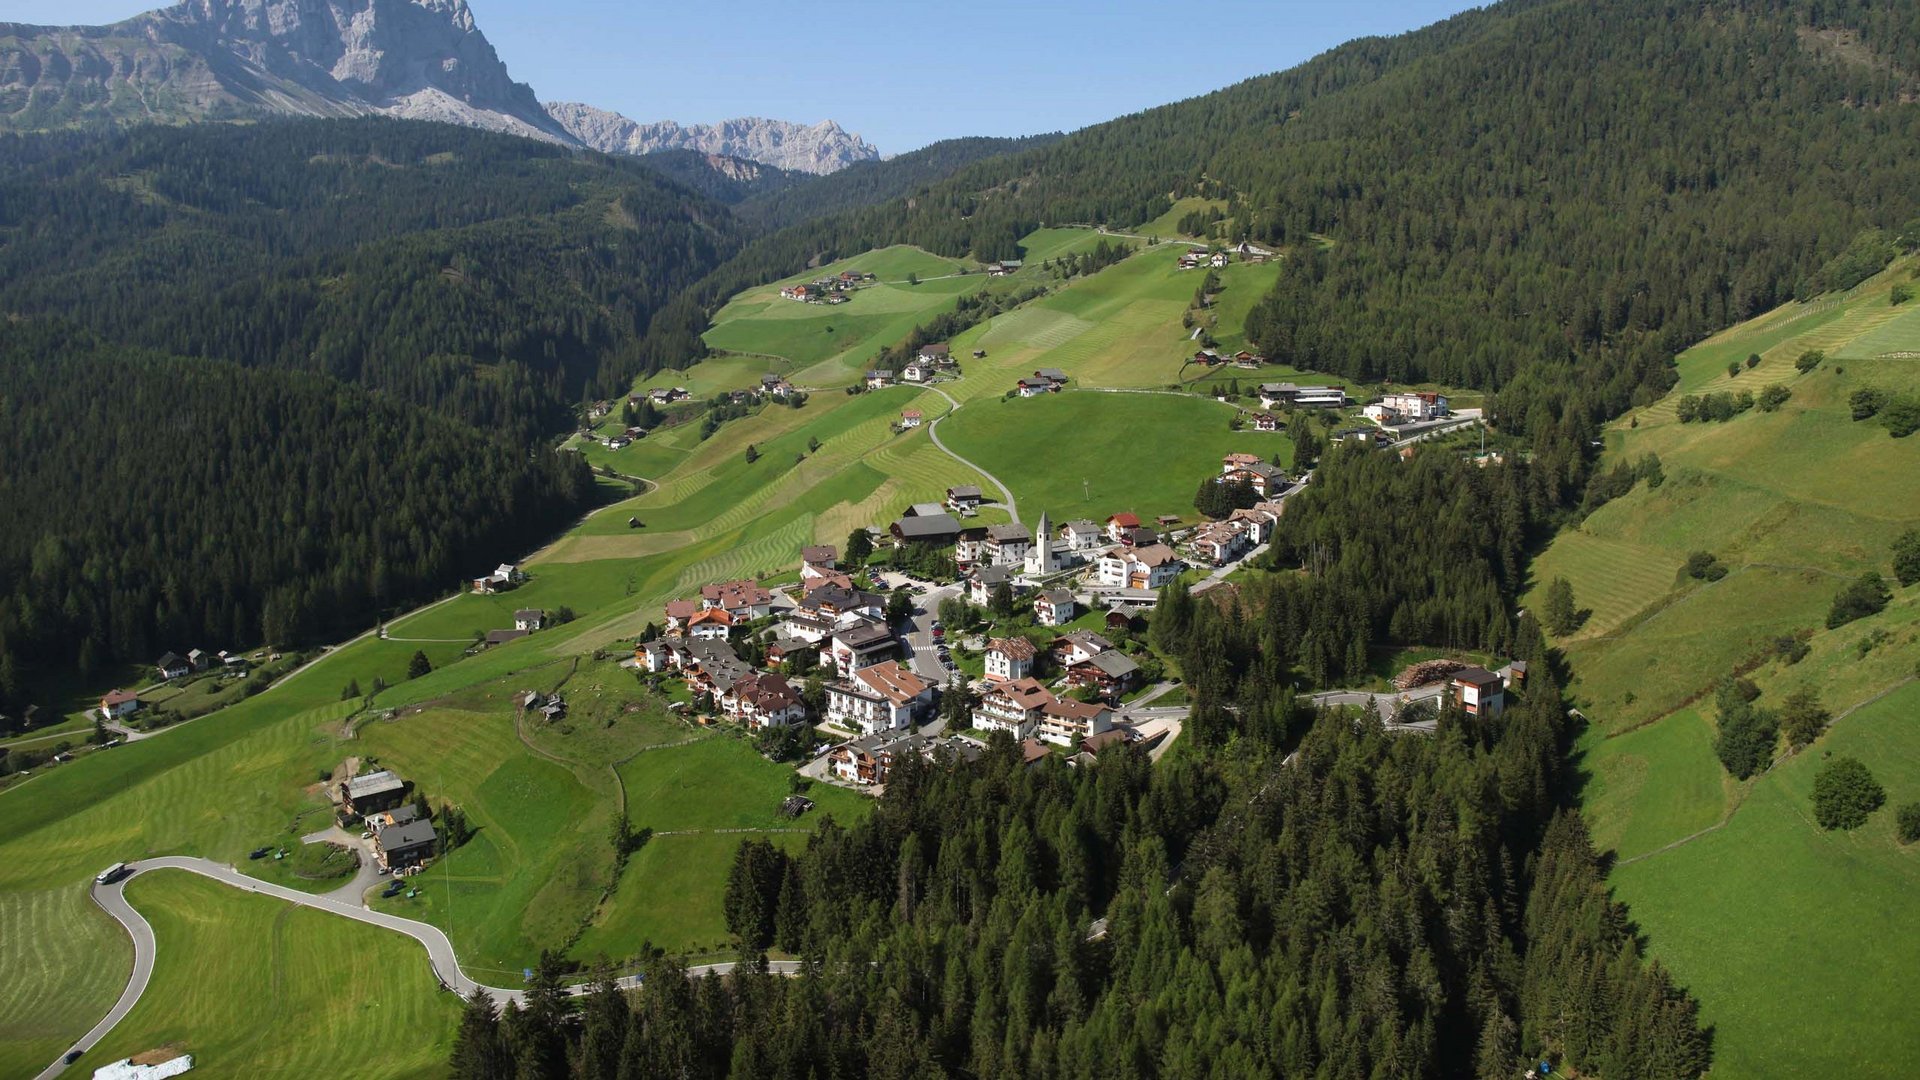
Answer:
(1040, 555)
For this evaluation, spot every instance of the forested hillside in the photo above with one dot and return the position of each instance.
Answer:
(484, 275)
(159, 503)
(867, 183)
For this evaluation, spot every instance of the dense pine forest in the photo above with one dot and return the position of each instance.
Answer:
(1369, 905)
(161, 503)
(487, 276)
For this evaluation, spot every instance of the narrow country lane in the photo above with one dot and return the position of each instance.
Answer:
(933, 429)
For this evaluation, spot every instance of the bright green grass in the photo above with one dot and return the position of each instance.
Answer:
(1652, 786)
(669, 897)
(1798, 941)
(721, 784)
(1900, 333)
(1166, 225)
(1622, 579)
(1141, 452)
(253, 987)
(67, 959)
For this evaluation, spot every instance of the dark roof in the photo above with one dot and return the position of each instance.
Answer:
(926, 526)
(1476, 676)
(861, 634)
(1056, 597)
(527, 613)
(1114, 663)
(1014, 531)
(402, 837)
(963, 491)
(501, 637)
(170, 660)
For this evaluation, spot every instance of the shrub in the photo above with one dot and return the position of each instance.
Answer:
(1908, 820)
(1809, 360)
(1866, 402)
(1901, 416)
(1773, 397)
(1900, 295)
(1845, 793)
(1703, 566)
(1906, 557)
(1866, 595)
(1802, 718)
(1753, 360)
(1745, 742)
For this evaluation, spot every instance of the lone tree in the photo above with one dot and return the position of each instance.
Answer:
(1844, 793)
(753, 453)
(1906, 557)
(419, 665)
(1802, 717)
(1865, 595)
(1560, 616)
(859, 545)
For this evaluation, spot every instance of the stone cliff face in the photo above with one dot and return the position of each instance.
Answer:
(413, 59)
(214, 59)
(819, 148)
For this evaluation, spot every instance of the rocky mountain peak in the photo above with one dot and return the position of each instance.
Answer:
(815, 148)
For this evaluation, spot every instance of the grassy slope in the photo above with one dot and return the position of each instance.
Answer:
(1792, 937)
(251, 986)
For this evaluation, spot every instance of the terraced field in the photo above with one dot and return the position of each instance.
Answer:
(1624, 579)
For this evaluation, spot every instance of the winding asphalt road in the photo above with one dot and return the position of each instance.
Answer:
(112, 899)
(933, 430)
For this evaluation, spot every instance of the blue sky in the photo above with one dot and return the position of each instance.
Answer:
(902, 75)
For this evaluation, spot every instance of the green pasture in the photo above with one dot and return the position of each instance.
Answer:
(670, 897)
(251, 986)
(1141, 452)
(1652, 786)
(1797, 940)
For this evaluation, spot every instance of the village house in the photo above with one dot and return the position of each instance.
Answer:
(658, 656)
(171, 666)
(762, 701)
(1006, 545)
(862, 643)
(869, 758)
(1417, 407)
(964, 499)
(983, 580)
(527, 619)
(1053, 375)
(1477, 691)
(1258, 520)
(1077, 647)
(710, 624)
(1220, 542)
(1003, 267)
(884, 697)
(118, 703)
(679, 613)
(1360, 436)
(1123, 617)
(817, 561)
(745, 600)
(1034, 387)
(1193, 257)
(1013, 707)
(712, 667)
(1110, 671)
(968, 543)
(802, 293)
(828, 607)
(936, 354)
(1118, 524)
(909, 418)
(1010, 658)
(1081, 536)
(504, 577)
(783, 648)
(1065, 722)
(402, 845)
(1148, 567)
(917, 372)
(877, 380)
(1265, 480)
(1055, 607)
(372, 793)
(1266, 421)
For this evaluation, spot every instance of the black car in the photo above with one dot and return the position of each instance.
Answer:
(259, 853)
(72, 1056)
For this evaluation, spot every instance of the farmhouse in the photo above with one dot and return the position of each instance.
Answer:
(372, 793)
(505, 576)
(938, 529)
(1010, 658)
(964, 499)
(1053, 375)
(1055, 607)
(1003, 267)
(878, 379)
(118, 703)
(910, 418)
(1033, 387)
(501, 637)
(527, 619)
(171, 666)
(936, 354)
(1266, 421)
(883, 697)
(917, 372)
(1477, 691)
(1013, 707)
(1064, 721)
(404, 845)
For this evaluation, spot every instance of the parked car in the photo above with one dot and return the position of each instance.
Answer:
(259, 853)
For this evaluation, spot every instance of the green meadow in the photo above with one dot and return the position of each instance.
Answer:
(1090, 454)
(1738, 892)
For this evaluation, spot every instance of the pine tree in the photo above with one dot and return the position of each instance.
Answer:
(478, 1050)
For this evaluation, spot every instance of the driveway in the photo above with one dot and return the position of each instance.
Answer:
(112, 899)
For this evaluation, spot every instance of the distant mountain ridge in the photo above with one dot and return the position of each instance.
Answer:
(410, 59)
(813, 148)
